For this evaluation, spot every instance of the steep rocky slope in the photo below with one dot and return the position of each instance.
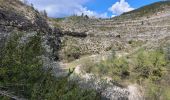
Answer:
(16, 16)
(122, 33)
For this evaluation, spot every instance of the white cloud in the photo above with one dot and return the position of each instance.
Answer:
(113, 16)
(62, 8)
(120, 7)
(90, 13)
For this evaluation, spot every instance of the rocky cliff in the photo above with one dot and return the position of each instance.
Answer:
(16, 16)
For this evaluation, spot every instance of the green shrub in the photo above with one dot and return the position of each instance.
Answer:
(157, 91)
(166, 93)
(61, 89)
(71, 53)
(4, 98)
(153, 92)
(151, 64)
(117, 68)
(70, 50)
(21, 72)
(20, 65)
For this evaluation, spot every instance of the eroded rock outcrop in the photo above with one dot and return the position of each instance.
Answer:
(16, 17)
(107, 88)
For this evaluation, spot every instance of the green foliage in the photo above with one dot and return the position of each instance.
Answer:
(76, 18)
(57, 22)
(149, 68)
(61, 89)
(153, 92)
(166, 93)
(70, 50)
(20, 64)
(157, 91)
(151, 64)
(21, 72)
(117, 68)
(134, 43)
(59, 19)
(70, 53)
(4, 98)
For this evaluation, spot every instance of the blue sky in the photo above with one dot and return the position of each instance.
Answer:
(92, 8)
(101, 6)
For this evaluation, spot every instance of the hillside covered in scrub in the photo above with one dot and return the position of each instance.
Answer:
(82, 58)
(131, 49)
(28, 51)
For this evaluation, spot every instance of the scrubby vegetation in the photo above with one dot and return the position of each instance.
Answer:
(117, 68)
(151, 64)
(4, 97)
(152, 72)
(70, 53)
(149, 69)
(134, 43)
(70, 50)
(21, 73)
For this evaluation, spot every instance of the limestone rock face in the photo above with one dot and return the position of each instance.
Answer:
(17, 17)
(25, 18)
